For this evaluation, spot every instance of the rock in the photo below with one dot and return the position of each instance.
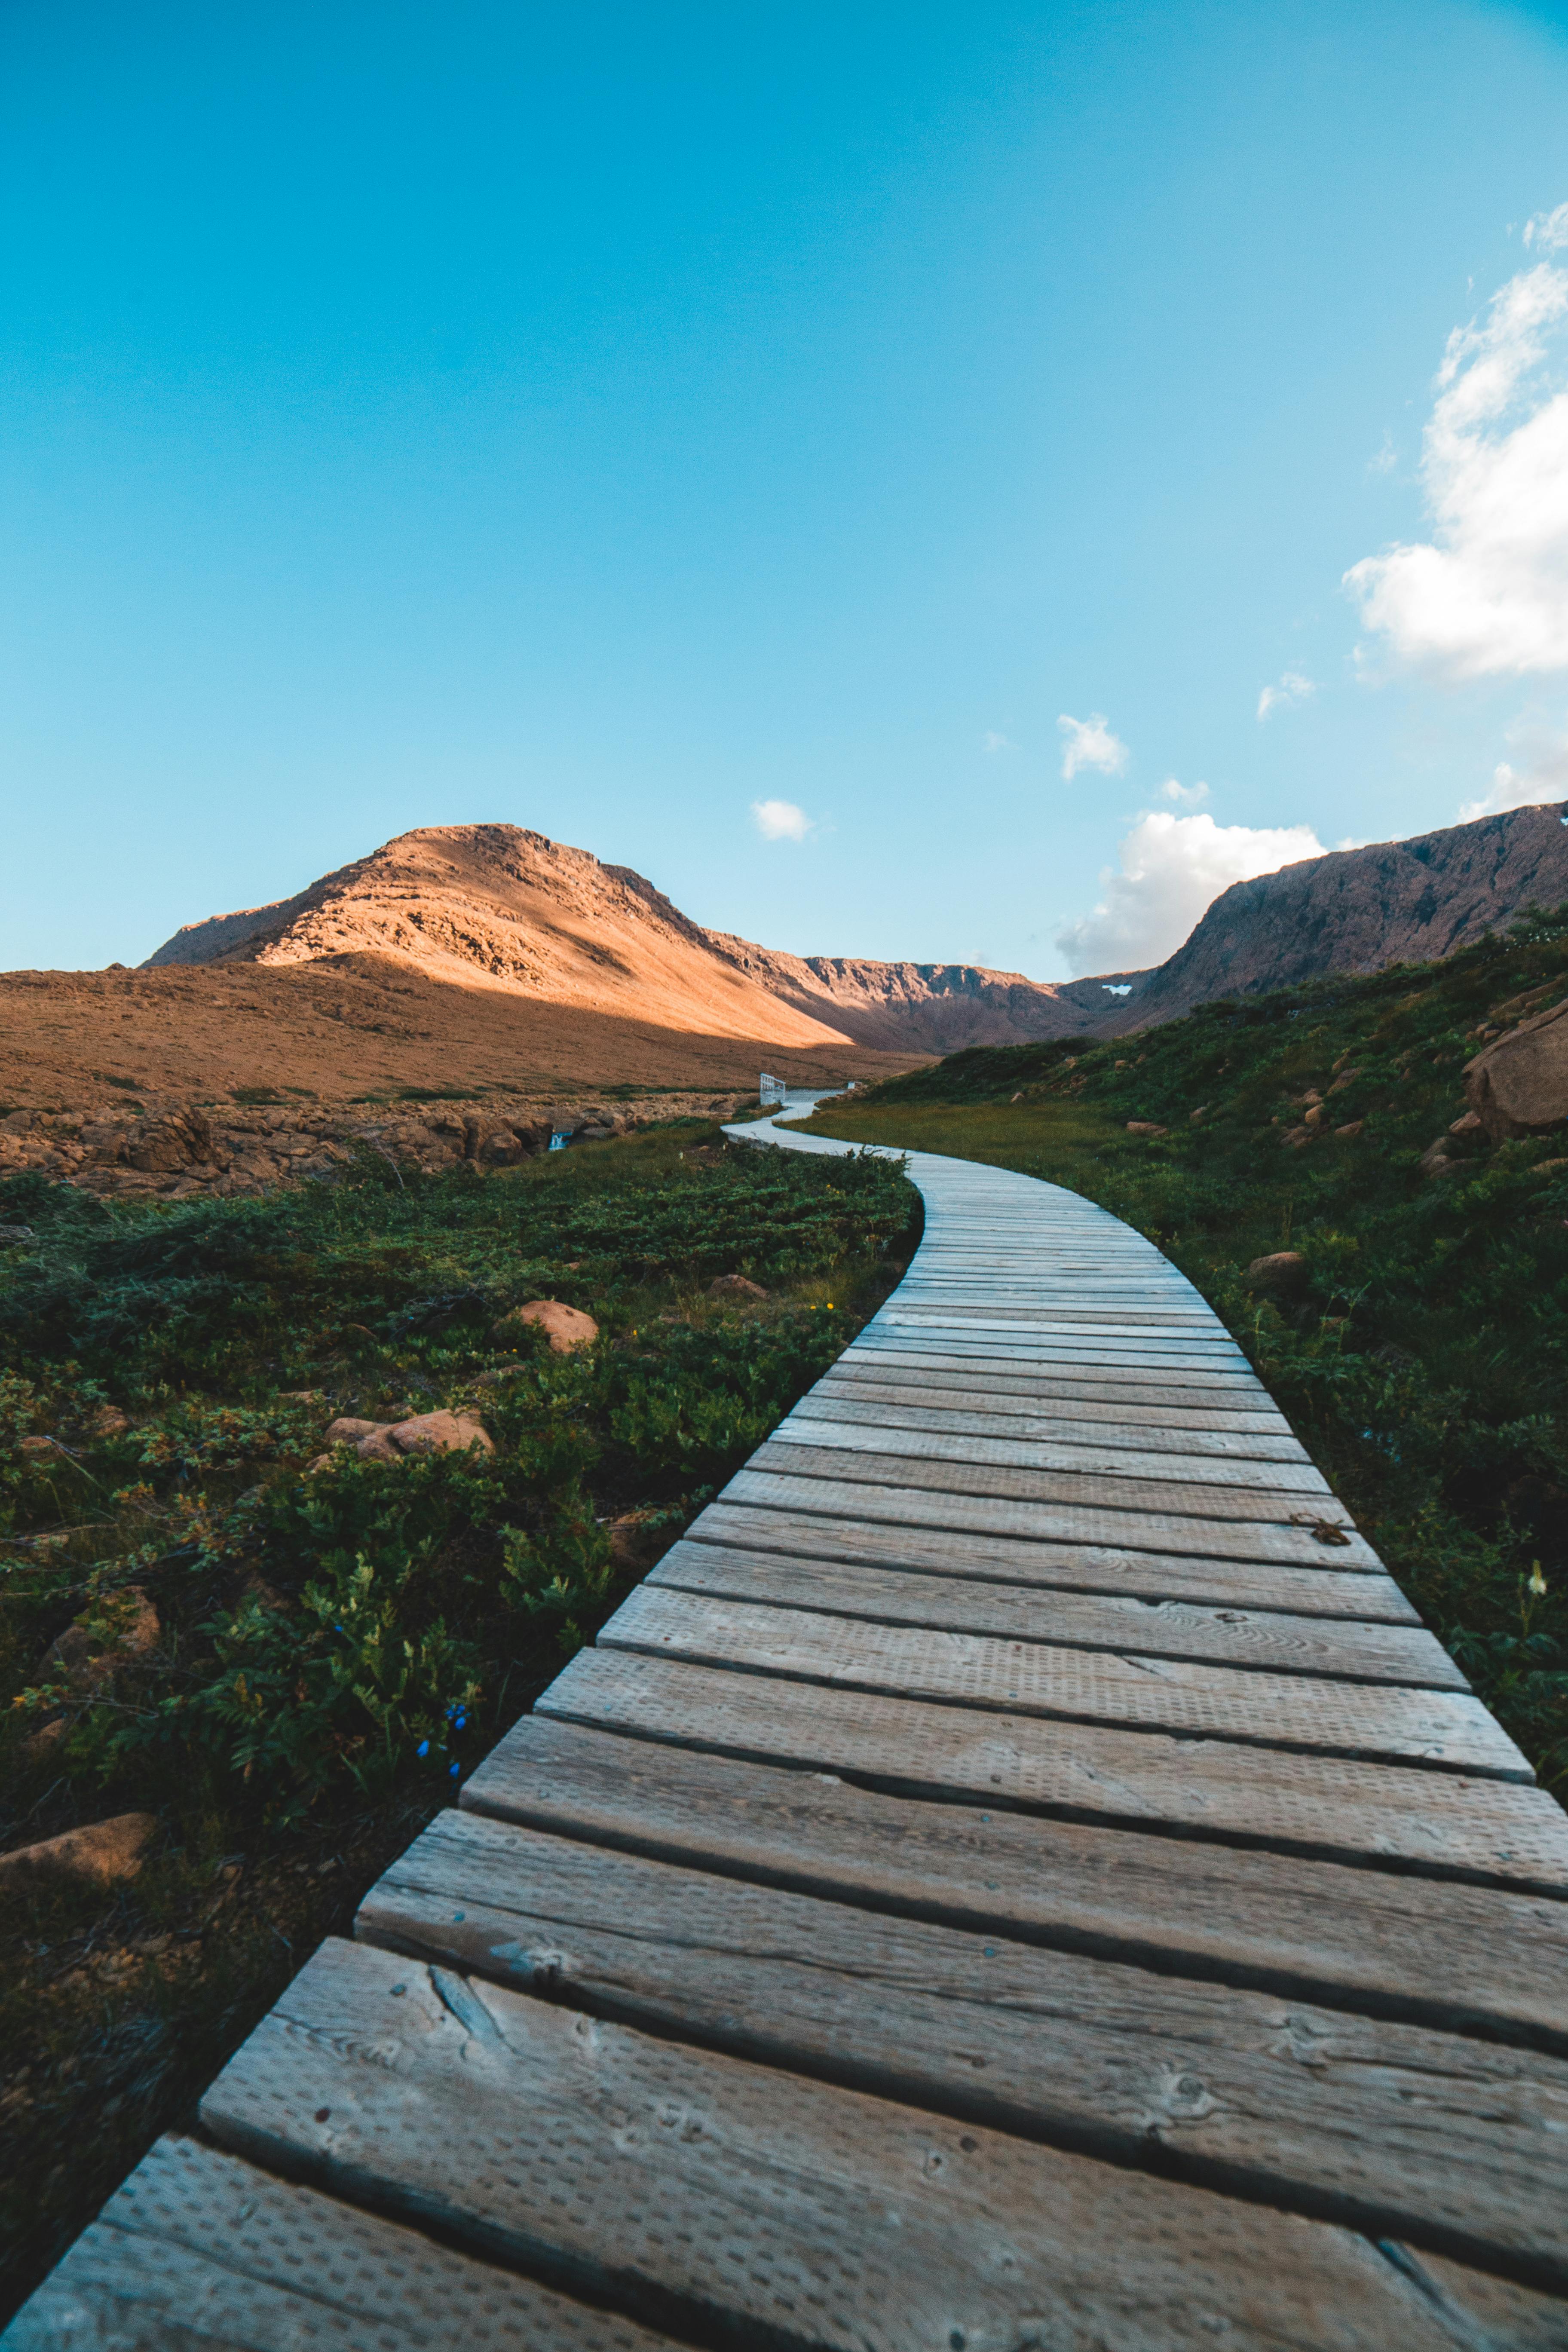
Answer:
(88, 1659)
(1281, 1270)
(1344, 1079)
(564, 1326)
(441, 1432)
(349, 1431)
(1545, 1167)
(631, 1540)
(322, 1462)
(1438, 1158)
(1202, 1112)
(1351, 1130)
(163, 1146)
(1145, 1126)
(735, 1286)
(494, 1378)
(1315, 1116)
(11, 1234)
(1520, 1084)
(1468, 1123)
(34, 1447)
(376, 1446)
(107, 1421)
(1296, 1137)
(301, 1396)
(107, 1852)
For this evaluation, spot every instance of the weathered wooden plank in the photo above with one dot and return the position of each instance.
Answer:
(786, 2212)
(1152, 1496)
(1444, 1731)
(885, 1437)
(1065, 1567)
(965, 1414)
(1084, 1404)
(1046, 1375)
(1433, 1952)
(1496, 1831)
(199, 2249)
(912, 1503)
(1454, 2143)
(961, 1349)
(1483, 2314)
(1238, 1638)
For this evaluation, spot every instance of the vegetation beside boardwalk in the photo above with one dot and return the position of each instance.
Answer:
(292, 1670)
(1421, 1349)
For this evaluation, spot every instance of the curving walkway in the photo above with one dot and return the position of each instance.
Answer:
(1017, 1874)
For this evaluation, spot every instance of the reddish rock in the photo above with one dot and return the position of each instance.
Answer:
(564, 1326)
(349, 1431)
(1145, 1126)
(107, 1852)
(735, 1286)
(87, 1658)
(164, 1146)
(1351, 1130)
(441, 1432)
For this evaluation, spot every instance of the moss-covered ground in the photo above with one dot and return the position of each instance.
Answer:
(292, 1670)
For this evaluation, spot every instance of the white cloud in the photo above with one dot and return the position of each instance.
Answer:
(1089, 743)
(1488, 595)
(1385, 457)
(994, 742)
(1292, 688)
(1173, 868)
(780, 820)
(1184, 795)
(1542, 774)
(1548, 230)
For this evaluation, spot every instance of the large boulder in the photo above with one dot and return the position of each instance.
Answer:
(106, 1852)
(164, 1146)
(1520, 1085)
(564, 1326)
(441, 1432)
(1281, 1270)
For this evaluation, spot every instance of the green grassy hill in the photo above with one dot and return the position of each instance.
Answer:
(1421, 1349)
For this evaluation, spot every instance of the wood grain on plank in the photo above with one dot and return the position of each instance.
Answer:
(1462, 1958)
(866, 1434)
(961, 1412)
(1497, 1832)
(786, 2211)
(913, 1503)
(1445, 1731)
(1171, 1629)
(1156, 1494)
(1064, 1566)
(199, 2249)
(1457, 2144)
(1047, 1376)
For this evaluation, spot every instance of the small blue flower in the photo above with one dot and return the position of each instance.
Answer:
(422, 1749)
(456, 1769)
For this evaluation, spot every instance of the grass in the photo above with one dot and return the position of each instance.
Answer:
(1423, 1355)
(334, 1648)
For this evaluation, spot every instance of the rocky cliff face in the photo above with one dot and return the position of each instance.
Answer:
(934, 1008)
(1357, 910)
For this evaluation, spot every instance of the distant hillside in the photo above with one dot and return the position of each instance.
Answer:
(1358, 911)
(936, 1008)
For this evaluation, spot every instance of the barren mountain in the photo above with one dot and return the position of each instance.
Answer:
(1357, 910)
(936, 1008)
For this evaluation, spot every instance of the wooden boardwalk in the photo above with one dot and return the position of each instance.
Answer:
(1017, 1877)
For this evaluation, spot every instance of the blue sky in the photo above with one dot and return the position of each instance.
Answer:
(616, 420)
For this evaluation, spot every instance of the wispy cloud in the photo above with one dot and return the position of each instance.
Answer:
(780, 820)
(1541, 774)
(1291, 687)
(1089, 743)
(994, 742)
(1487, 596)
(1184, 795)
(1384, 458)
(1548, 230)
(1171, 869)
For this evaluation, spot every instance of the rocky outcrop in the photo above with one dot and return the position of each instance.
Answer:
(181, 1152)
(1358, 911)
(566, 1328)
(1520, 1085)
(105, 1854)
